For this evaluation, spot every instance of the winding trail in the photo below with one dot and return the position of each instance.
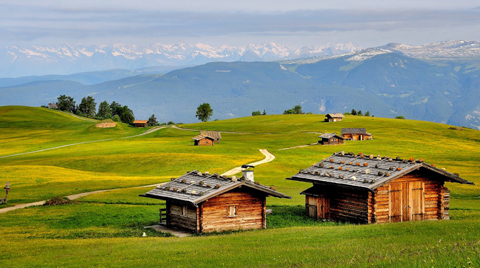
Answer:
(86, 142)
(268, 158)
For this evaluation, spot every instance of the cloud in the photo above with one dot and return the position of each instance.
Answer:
(64, 23)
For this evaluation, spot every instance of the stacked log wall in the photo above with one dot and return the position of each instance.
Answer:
(176, 219)
(446, 203)
(349, 205)
(250, 210)
(205, 142)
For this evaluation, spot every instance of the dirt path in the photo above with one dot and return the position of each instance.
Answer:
(191, 129)
(268, 158)
(86, 142)
(299, 146)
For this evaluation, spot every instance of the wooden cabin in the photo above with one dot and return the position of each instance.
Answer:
(203, 140)
(368, 189)
(356, 134)
(140, 123)
(207, 203)
(334, 117)
(330, 139)
(213, 134)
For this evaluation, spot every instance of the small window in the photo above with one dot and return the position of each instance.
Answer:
(184, 210)
(232, 211)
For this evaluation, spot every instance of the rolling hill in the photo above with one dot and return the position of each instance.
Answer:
(106, 229)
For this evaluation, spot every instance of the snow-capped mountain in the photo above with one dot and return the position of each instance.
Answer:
(65, 59)
(456, 49)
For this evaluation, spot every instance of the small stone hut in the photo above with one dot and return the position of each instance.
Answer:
(368, 189)
(334, 117)
(140, 123)
(201, 202)
(330, 139)
(356, 134)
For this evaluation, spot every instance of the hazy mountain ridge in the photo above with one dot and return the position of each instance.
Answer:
(387, 83)
(16, 61)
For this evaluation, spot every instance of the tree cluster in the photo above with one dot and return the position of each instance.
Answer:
(255, 113)
(295, 110)
(88, 108)
(354, 112)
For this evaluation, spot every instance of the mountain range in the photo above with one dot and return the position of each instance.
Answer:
(440, 83)
(16, 61)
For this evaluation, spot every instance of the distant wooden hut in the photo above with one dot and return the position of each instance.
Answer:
(214, 134)
(368, 189)
(140, 123)
(203, 140)
(356, 134)
(334, 117)
(330, 139)
(207, 203)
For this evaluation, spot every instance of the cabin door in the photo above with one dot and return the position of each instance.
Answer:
(311, 206)
(406, 201)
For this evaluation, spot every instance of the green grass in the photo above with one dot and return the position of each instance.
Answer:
(105, 229)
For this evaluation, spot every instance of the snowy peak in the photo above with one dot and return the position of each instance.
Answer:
(457, 49)
(65, 59)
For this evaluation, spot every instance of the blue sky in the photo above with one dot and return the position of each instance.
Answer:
(299, 23)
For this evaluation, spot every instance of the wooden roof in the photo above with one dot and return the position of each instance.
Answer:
(214, 134)
(367, 172)
(195, 187)
(329, 135)
(201, 137)
(355, 131)
(140, 121)
(336, 115)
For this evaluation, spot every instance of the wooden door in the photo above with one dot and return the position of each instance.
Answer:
(406, 201)
(323, 207)
(395, 202)
(416, 200)
(311, 207)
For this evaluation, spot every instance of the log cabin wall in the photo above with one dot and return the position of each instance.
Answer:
(204, 142)
(181, 216)
(234, 210)
(410, 198)
(349, 205)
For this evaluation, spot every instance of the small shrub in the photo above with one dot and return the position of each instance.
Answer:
(399, 117)
(59, 200)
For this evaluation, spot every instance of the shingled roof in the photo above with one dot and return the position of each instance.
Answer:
(196, 187)
(140, 121)
(367, 172)
(214, 134)
(336, 115)
(355, 131)
(329, 135)
(200, 137)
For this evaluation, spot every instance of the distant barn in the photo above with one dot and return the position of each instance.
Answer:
(201, 202)
(334, 117)
(214, 134)
(356, 134)
(374, 189)
(330, 139)
(140, 123)
(203, 140)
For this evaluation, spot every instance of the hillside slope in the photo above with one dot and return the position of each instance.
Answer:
(24, 129)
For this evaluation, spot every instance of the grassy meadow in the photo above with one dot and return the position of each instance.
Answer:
(105, 229)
